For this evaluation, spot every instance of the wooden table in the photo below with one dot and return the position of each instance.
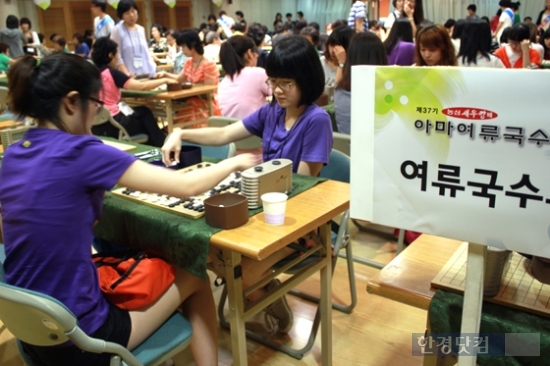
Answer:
(407, 278)
(305, 212)
(168, 98)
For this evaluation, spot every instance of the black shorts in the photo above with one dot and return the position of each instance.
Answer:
(116, 329)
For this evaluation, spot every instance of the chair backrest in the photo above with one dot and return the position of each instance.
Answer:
(35, 318)
(252, 142)
(217, 152)
(3, 98)
(104, 116)
(342, 142)
(338, 167)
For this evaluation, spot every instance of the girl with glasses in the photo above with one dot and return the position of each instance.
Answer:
(291, 127)
(52, 184)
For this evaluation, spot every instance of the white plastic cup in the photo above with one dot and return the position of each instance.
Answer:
(274, 204)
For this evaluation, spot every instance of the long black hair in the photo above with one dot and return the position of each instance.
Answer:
(476, 37)
(400, 31)
(364, 49)
(36, 87)
(232, 54)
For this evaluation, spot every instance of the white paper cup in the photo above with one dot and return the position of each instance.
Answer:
(274, 204)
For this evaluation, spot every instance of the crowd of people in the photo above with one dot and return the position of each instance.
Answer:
(272, 79)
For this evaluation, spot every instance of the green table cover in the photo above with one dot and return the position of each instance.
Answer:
(446, 316)
(178, 239)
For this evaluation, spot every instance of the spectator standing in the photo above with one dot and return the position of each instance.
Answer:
(357, 18)
(13, 37)
(472, 9)
(103, 23)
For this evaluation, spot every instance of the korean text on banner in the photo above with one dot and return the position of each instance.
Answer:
(460, 153)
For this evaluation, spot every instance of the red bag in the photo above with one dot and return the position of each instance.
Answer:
(132, 280)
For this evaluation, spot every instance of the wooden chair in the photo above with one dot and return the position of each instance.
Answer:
(3, 99)
(104, 116)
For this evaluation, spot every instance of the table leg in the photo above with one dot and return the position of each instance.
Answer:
(234, 283)
(170, 115)
(210, 107)
(473, 295)
(326, 298)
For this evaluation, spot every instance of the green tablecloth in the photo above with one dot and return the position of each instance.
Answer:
(446, 316)
(180, 240)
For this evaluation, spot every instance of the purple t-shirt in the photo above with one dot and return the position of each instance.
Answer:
(402, 54)
(309, 140)
(51, 191)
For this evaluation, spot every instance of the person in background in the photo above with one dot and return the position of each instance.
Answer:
(42, 49)
(226, 23)
(89, 37)
(281, 31)
(534, 39)
(475, 46)
(60, 44)
(515, 8)
(528, 20)
(504, 36)
(13, 37)
(240, 18)
(278, 20)
(337, 47)
(543, 20)
(298, 26)
(457, 34)
(289, 21)
(434, 47)
(75, 170)
(376, 28)
(364, 49)
(172, 46)
(399, 44)
(291, 127)
(518, 54)
(196, 70)
(80, 47)
(134, 57)
(472, 9)
(243, 89)
(257, 34)
(31, 36)
(135, 120)
(545, 42)
(103, 23)
(157, 43)
(203, 31)
(5, 60)
(414, 10)
(238, 29)
(395, 14)
(212, 48)
(212, 23)
(486, 19)
(506, 18)
(357, 18)
(450, 26)
(300, 15)
(311, 34)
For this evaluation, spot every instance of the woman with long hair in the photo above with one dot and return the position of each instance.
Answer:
(413, 10)
(475, 46)
(434, 47)
(399, 43)
(364, 49)
(243, 89)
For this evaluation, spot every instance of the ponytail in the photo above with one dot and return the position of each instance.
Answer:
(232, 54)
(36, 87)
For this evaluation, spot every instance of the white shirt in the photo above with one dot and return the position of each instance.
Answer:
(540, 48)
(107, 25)
(512, 56)
(212, 52)
(483, 62)
(506, 21)
(392, 18)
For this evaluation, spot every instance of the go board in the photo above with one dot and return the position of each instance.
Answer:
(192, 207)
(518, 289)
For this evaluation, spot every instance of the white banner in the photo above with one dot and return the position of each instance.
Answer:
(170, 3)
(462, 153)
(43, 4)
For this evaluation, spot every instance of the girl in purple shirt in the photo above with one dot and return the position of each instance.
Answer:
(291, 127)
(52, 184)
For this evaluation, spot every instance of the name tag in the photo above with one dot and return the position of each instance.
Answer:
(138, 62)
